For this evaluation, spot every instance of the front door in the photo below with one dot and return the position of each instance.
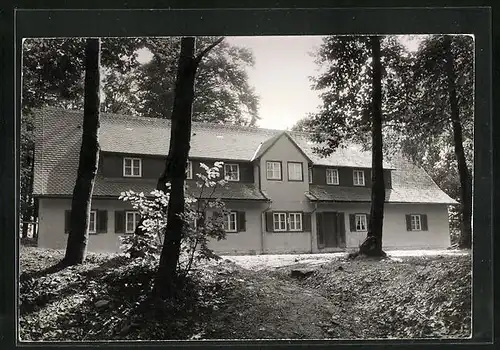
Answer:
(330, 228)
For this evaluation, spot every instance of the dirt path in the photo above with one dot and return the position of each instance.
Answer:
(261, 306)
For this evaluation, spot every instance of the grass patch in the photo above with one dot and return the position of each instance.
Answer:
(108, 298)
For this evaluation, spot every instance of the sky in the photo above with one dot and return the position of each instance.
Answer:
(280, 76)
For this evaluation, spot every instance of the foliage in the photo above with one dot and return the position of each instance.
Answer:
(303, 125)
(223, 94)
(424, 134)
(108, 298)
(198, 227)
(345, 86)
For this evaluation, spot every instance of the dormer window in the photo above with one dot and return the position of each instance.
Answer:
(332, 177)
(132, 167)
(232, 172)
(358, 178)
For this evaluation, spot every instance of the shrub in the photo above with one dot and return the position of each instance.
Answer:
(198, 227)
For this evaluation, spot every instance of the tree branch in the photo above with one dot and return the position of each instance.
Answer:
(199, 57)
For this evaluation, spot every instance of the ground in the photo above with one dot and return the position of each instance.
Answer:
(328, 296)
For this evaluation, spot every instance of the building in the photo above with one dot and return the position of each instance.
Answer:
(283, 197)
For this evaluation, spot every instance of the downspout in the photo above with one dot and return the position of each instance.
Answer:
(262, 229)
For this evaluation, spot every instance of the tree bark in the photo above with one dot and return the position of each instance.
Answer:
(464, 174)
(372, 245)
(76, 248)
(28, 212)
(175, 165)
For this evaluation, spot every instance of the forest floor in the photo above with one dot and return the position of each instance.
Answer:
(107, 299)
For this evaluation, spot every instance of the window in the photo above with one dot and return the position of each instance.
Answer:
(189, 170)
(273, 170)
(132, 167)
(332, 177)
(361, 224)
(358, 177)
(295, 171)
(416, 223)
(93, 222)
(230, 222)
(131, 220)
(232, 172)
(295, 220)
(310, 175)
(279, 221)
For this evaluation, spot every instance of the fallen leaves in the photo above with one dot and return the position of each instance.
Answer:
(109, 298)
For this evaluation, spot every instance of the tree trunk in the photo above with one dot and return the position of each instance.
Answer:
(175, 166)
(464, 174)
(76, 248)
(28, 214)
(372, 245)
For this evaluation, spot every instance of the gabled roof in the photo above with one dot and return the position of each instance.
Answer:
(410, 184)
(151, 136)
(58, 139)
(266, 145)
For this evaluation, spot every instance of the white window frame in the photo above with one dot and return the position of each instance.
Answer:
(93, 228)
(297, 221)
(416, 222)
(281, 220)
(231, 218)
(189, 170)
(131, 167)
(330, 180)
(135, 220)
(355, 179)
(294, 172)
(363, 220)
(230, 165)
(310, 175)
(273, 169)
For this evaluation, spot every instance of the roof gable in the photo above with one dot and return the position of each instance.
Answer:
(268, 144)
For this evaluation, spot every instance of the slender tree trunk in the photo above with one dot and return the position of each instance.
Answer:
(175, 166)
(373, 243)
(76, 248)
(464, 174)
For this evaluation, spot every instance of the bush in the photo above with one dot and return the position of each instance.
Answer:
(198, 227)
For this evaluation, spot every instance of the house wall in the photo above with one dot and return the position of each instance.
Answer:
(51, 224)
(286, 196)
(111, 166)
(346, 176)
(395, 235)
(245, 242)
(51, 228)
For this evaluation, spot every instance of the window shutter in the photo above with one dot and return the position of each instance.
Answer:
(352, 222)
(306, 222)
(269, 221)
(423, 218)
(241, 221)
(67, 220)
(201, 219)
(408, 222)
(102, 221)
(119, 221)
(319, 229)
(138, 230)
(341, 228)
